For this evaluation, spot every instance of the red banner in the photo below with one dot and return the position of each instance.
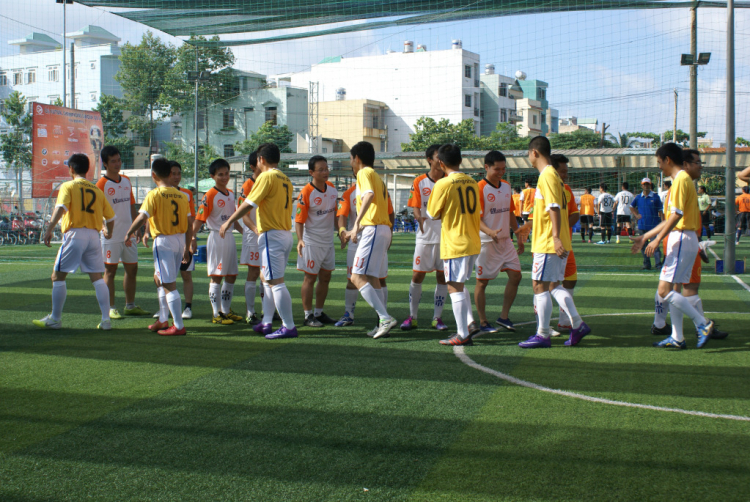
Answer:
(58, 133)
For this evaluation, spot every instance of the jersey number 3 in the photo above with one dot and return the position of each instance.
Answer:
(176, 214)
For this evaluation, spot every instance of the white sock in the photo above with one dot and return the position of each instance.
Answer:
(59, 294)
(269, 305)
(544, 313)
(250, 297)
(102, 296)
(679, 301)
(441, 294)
(372, 297)
(697, 303)
(564, 318)
(283, 301)
(381, 296)
(129, 306)
(415, 295)
(676, 315)
(565, 300)
(175, 307)
(660, 311)
(384, 290)
(350, 301)
(317, 312)
(536, 313)
(307, 313)
(163, 305)
(214, 294)
(227, 292)
(469, 314)
(460, 313)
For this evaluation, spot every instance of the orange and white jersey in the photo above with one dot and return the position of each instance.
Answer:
(216, 208)
(418, 197)
(120, 197)
(189, 196)
(527, 199)
(348, 205)
(496, 208)
(317, 211)
(247, 186)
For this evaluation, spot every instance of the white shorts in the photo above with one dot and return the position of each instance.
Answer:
(548, 267)
(350, 254)
(168, 251)
(315, 257)
(459, 269)
(682, 247)
(427, 258)
(497, 257)
(371, 257)
(118, 252)
(80, 248)
(250, 255)
(222, 254)
(275, 246)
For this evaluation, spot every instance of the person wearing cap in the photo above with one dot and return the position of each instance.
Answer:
(647, 209)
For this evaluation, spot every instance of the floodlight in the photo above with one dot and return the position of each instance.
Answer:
(704, 57)
(687, 60)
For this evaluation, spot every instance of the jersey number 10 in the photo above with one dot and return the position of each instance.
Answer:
(471, 200)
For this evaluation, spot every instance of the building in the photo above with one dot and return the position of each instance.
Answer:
(353, 121)
(437, 84)
(498, 103)
(230, 122)
(36, 72)
(592, 124)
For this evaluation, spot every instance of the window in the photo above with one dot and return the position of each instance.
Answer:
(228, 118)
(476, 74)
(467, 71)
(467, 100)
(382, 145)
(325, 149)
(53, 73)
(503, 115)
(31, 76)
(228, 150)
(17, 78)
(533, 118)
(76, 100)
(30, 103)
(249, 109)
(53, 98)
(92, 97)
(3, 79)
(201, 119)
(271, 115)
(542, 94)
(93, 65)
(375, 122)
(503, 90)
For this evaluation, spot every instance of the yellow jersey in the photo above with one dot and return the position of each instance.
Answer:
(377, 212)
(272, 195)
(550, 192)
(455, 200)
(85, 205)
(683, 199)
(167, 209)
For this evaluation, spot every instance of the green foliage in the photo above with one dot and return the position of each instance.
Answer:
(742, 142)
(714, 183)
(506, 137)
(115, 127)
(682, 137)
(582, 138)
(428, 131)
(186, 158)
(16, 145)
(58, 102)
(622, 140)
(281, 136)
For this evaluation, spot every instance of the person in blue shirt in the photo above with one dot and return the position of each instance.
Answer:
(648, 210)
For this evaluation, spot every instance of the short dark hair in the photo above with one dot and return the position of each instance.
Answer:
(704, 187)
(431, 150)
(314, 160)
(745, 189)
(252, 159)
(174, 163)
(603, 187)
(216, 165)
(162, 168)
(558, 159)
(587, 189)
(541, 145)
(79, 163)
(688, 152)
(517, 189)
(528, 180)
(270, 152)
(365, 151)
(667, 183)
(671, 151)
(625, 185)
(492, 157)
(450, 155)
(107, 152)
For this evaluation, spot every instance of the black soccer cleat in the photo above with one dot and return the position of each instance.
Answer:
(665, 331)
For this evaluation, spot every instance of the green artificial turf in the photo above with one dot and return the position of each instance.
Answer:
(224, 414)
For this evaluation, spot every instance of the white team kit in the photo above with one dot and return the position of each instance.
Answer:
(427, 249)
(80, 247)
(215, 209)
(605, 202)
(317, 211)
(348, 208)
(623, 200)
(497, 209)
(119, 194)
(250, 255)
(548, 267)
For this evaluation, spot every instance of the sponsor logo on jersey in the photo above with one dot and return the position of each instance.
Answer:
(111, 191)
(220, 203)
(318, 201)
(299, 210)
(426, 191)
(501, 210)
(491, 197)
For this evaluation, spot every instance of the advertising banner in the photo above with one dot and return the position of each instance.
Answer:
(58, 133)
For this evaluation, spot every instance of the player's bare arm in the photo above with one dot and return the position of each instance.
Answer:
(744, 175)
(487, 230)
(300, 229)
(188, 241)
(420, 219)
(57, 214)
(138, 222)
(343, 237)
(555, 220)
(239, 213)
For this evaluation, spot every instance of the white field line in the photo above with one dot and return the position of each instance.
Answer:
(459, 351)
(740, 282)
(716, 257)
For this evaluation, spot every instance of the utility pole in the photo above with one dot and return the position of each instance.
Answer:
(195, 174)
(72, 75)
(604, 132)
(65, 56)
(674, 124)
(729, 224)
(694, 78)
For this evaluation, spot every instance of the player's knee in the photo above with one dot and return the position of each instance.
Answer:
(309, 279)
(418, 277)
(514, 277)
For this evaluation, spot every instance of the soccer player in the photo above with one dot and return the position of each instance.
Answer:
(517, 205)
(704, 206)
(250, 255)
(216, 208)
(605, 205)
(622, 209)
(743, 212)
(527, 200)
(166, 209)
(551, 243)
(664, 191)
(372, 232)
(315, 224)
(427, 249)
(272, 197)
(118, 191)
(454, 200)
(497, 254)
(682, 247)
(82, 207)
(647, 209)
(588, 202)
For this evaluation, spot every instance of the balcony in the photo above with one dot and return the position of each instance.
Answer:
(476, 83)
(370, 132)
(476, 112)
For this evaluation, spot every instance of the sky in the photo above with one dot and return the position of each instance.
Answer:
(620, 67)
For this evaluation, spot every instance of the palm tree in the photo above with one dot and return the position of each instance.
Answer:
(622, 139)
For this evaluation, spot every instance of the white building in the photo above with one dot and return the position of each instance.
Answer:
(36, 72)
(498, 98)
(438, 84)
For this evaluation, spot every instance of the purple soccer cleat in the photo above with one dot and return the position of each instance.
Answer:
(576, 335)
(536, 342)
(283, 332)
(263, 329)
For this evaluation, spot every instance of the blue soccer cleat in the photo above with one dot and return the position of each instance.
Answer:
(704, 333)
(671, 343)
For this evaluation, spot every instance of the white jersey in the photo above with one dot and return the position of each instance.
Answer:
(418, 197)
(623, 200)
(605, 202)
(120, 197)
(317, 211)
(496, 208)
(216, 208)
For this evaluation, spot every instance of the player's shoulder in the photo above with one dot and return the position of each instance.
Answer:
(125, 178)
(331, 185)
(306, 190)
(483, 183)
(419, 179)
(102, 182)
(248, 183)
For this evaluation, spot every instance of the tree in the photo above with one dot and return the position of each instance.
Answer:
(143, 74)
(624, 140)
(58, 102)
(281, 136)
(16, 144)
(683, 138)
(428, 131)
(582, 138)
(115, 127)
(186, 158)
(506, 137)
(741, 142)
